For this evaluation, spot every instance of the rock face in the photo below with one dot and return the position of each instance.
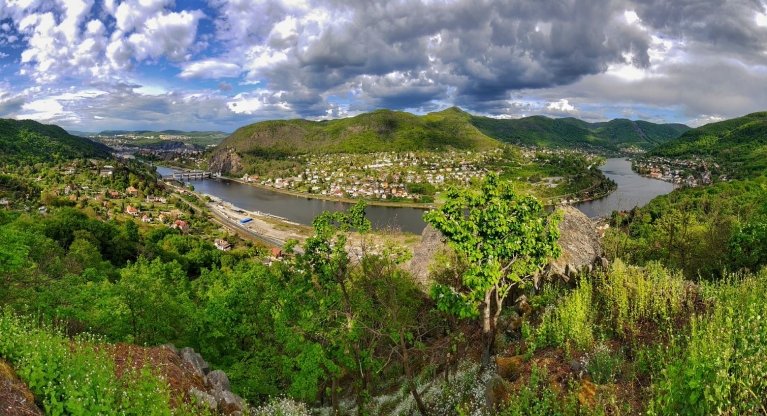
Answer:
(217, 395)
(423, 254)
(196, 361)
(580, 245)
(226, 161)
(15, 397)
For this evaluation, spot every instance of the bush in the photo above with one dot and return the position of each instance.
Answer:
(77, 377)
(721, 365)
(569, 324)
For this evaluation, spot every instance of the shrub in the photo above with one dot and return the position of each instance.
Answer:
(570, 324)
(721, 365)
(77, 377)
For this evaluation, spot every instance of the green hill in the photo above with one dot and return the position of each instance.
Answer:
(381, 130)
(574, 133)
(27, 141)
(739, 144)
(542, 132)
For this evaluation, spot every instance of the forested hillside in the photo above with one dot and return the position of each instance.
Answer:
(27, 141)
(739, 144)
(574, 133)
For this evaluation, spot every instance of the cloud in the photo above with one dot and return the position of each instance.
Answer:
(210, 68)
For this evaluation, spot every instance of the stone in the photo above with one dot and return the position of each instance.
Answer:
(423, 254)
(204, 399)
(196, 361)
(510, 368)
(218, 380)
(229, 402)
(172, 348)
(579, 242)
(603, 263)
(497, 392)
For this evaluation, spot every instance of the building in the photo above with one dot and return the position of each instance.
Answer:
(131, 191)
(222, 245)
(146, 219)
(276, 253)
(181, 225)
(131, 211)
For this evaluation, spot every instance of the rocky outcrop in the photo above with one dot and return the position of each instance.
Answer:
(226, 161)
(216, 394)
(423, 254)
(580, 245)
(15, 397)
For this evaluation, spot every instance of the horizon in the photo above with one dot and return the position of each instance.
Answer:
(214, 65)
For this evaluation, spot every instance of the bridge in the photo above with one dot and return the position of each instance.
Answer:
(187, 175)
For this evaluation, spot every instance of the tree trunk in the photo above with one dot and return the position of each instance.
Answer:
(487, 335)
(409, 375)
(334, 396)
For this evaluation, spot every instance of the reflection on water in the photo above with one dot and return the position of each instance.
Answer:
(632, 190)
(299, 209)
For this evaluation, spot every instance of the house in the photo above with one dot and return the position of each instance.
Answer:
(132, 191)
(42, 210)
(181, 225)
(114, 194)
(150, 198)
(276, 253)
(222, 245)
(146, 219)
(131, 211)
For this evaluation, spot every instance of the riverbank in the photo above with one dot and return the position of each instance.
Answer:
(336, 198)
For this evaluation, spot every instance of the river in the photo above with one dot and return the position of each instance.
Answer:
(632, 190)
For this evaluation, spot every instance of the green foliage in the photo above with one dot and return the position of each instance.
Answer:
(29, 142)
(78, 377)
(535, 398)
(748, 245)
(630, 295)
(571, 324)
(573, 133)
(504, 239)
(739, 144)
(602, 364)
(720, 365)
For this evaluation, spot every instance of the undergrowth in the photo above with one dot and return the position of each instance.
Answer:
(77, 377)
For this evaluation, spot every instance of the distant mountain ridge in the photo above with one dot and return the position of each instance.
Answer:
(148, 138)
(453, 128)
(570, 132)
(739, 143)
(28, 141)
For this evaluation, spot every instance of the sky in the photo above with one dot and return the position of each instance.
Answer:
(92, 65)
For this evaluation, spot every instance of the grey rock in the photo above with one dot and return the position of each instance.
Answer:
(229, 402)
(196, 361)
(171, 347)
(603, 263)
(423, 254)
(579, 242)
(218, 380)
(204, 398)
(495, 392)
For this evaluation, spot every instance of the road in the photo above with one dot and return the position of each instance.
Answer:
(236, 226)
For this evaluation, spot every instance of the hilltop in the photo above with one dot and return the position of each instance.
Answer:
(27, 141)
(739, 144)
(142, 138)
(574, 133)
(381, 130)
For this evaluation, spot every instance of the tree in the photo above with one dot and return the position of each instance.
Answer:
(504, 238)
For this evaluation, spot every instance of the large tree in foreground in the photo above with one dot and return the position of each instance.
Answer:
(504, 238)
